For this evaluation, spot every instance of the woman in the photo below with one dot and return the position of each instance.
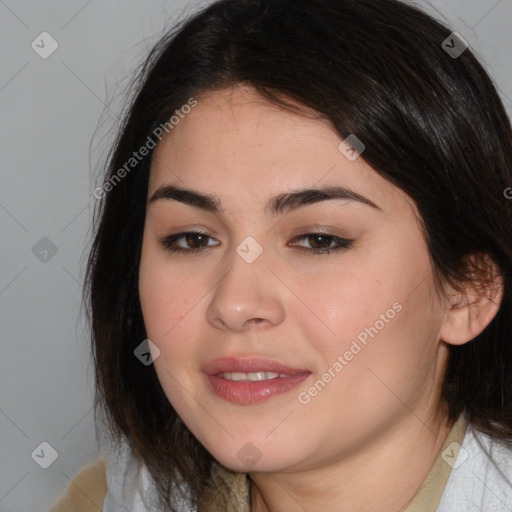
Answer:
(300, 284)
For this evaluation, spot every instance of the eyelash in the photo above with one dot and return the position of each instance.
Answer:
(343, 243)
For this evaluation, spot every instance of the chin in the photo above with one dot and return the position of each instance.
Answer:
(247, 456)
(267, 466)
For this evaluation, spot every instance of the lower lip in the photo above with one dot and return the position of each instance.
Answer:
(242, 392)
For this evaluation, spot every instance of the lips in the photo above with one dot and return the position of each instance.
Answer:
(252, 365)
(251, 380)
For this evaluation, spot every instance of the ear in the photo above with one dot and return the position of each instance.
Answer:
(472, 309)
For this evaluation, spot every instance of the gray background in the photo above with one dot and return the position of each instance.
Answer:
(50, 110)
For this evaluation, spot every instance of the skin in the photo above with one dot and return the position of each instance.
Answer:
(367, 440)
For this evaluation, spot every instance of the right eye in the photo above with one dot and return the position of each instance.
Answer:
(193, 238)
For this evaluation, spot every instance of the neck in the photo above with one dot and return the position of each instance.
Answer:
(384, 476)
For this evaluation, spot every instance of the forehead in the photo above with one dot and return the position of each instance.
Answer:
(234, 142)
(232, 122)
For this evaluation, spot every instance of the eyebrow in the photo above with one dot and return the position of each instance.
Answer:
(277, 205)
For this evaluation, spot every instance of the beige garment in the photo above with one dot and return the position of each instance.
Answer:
(230, 491)
(86, 492)
(429, 495)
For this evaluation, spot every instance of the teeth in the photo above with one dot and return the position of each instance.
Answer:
(251, 377)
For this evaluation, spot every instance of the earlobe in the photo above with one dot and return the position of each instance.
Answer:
(471, 311)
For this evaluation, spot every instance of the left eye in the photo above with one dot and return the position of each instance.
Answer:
(195, 241)
(324, 238)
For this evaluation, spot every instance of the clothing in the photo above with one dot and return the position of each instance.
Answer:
(87, 490)
(474, 484)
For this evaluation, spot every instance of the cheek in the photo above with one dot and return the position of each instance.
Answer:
(379, 319)
(164, 296)
(350, 307)
(167, 308)
(168, 313)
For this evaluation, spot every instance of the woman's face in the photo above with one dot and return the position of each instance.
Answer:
(356, 330)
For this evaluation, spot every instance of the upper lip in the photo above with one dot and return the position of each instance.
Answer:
(248, 365)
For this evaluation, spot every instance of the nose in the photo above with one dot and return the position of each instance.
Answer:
(247, 296)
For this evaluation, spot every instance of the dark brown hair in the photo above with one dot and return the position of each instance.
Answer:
(433, 125)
